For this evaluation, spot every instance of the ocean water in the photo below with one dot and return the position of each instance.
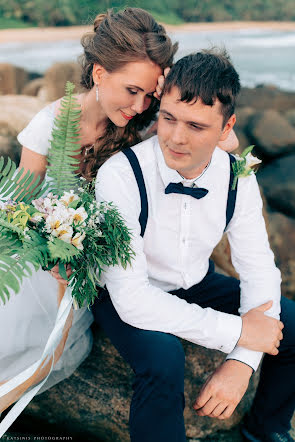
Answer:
(260, 56)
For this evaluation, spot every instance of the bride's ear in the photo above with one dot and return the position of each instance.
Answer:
(97, 72)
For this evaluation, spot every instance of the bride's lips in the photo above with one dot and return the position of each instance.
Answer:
(127, 117)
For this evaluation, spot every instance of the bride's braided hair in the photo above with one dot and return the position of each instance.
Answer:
(119, 38)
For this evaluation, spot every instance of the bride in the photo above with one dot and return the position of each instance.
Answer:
(122, 68)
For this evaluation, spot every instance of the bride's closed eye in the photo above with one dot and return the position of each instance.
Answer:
(131, 91)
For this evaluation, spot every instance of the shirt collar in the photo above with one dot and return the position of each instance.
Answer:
(172, 176)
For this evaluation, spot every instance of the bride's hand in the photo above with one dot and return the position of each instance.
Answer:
(160, 85)
(55, 273)
(231, 143)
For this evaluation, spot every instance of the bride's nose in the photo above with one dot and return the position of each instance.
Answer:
(138, 105)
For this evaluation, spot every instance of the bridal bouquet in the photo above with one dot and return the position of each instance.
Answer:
(65, 226)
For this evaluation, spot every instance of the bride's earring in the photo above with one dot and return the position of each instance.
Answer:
(96, 91)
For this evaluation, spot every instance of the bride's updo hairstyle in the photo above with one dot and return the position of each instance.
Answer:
(119, 38)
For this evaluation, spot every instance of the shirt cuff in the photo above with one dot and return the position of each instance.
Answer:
(227, 332)
(248, 357)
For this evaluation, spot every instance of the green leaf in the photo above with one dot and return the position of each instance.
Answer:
(62, 166)
(62, 270)
(247, 150)
(61, 250)
(16, 187)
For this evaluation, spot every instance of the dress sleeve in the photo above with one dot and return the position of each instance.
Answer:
(36, 135)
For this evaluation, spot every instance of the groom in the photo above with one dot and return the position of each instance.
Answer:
(175, 193)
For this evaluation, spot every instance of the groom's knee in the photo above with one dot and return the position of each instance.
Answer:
(164, 362)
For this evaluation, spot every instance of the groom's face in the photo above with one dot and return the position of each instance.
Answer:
(189, 132)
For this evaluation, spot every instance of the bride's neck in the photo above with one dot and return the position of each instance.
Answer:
(92, 115)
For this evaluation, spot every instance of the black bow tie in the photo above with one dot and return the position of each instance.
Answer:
(197, 192)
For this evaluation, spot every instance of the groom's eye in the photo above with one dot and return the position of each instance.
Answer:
(193, 126)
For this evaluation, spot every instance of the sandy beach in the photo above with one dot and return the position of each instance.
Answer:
(75, 32)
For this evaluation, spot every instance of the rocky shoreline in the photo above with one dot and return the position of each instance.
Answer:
(98, 393)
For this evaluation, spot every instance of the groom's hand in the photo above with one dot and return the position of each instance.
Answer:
(261, 332)
(223, 390)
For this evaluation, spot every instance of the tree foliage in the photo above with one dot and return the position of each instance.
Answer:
(81, 12)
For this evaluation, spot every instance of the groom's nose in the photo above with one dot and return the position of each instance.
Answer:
(178, 134)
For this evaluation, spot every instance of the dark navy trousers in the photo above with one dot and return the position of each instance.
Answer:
(157, 359)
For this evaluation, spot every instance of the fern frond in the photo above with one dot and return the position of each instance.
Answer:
(19, 186)
(62, 167)
(13, 269)
(62, 250)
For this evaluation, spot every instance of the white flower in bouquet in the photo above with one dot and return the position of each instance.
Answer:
(69, 197)
(77, 216)
(53, 222)
(77, 240)
(63, 232)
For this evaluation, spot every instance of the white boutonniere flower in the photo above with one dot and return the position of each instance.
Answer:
(243, 167)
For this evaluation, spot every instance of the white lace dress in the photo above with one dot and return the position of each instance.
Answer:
(28, 318)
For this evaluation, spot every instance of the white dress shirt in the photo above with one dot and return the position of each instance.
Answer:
(180, 236)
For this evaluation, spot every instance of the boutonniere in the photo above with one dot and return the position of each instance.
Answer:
(244, 164)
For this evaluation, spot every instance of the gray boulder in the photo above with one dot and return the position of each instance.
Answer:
(278, 182)
(9, 147)
(12, 79)
(265, 97)
(243, 115)
(16, 111)
(290, 115)
(55, 79)
(94, 402)
(281, 231)
(32, 87)
(271, 133)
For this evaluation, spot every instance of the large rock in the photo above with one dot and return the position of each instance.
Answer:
(12, 79)
(271, 133)
(278, 182)
(16, 111)
(9, 147)
(55, 80)
(33, 87)
(94, 402)
(290, 115)
(243, 115)
(281, 230)
(266, 97)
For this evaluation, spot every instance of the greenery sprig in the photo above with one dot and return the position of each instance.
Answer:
(243, 167)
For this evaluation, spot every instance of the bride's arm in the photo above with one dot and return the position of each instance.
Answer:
(34, 162)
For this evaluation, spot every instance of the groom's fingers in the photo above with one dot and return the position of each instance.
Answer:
(202, 399)
(208, 408)
(218, 410)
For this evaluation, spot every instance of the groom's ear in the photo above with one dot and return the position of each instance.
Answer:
(228, 127)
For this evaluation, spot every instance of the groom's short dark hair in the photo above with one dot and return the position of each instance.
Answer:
(208, 74)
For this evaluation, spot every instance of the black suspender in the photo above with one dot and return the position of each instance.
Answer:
(232, 194)
(141, 186)
(143, 217)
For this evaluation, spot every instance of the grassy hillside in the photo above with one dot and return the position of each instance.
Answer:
(76, 12)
